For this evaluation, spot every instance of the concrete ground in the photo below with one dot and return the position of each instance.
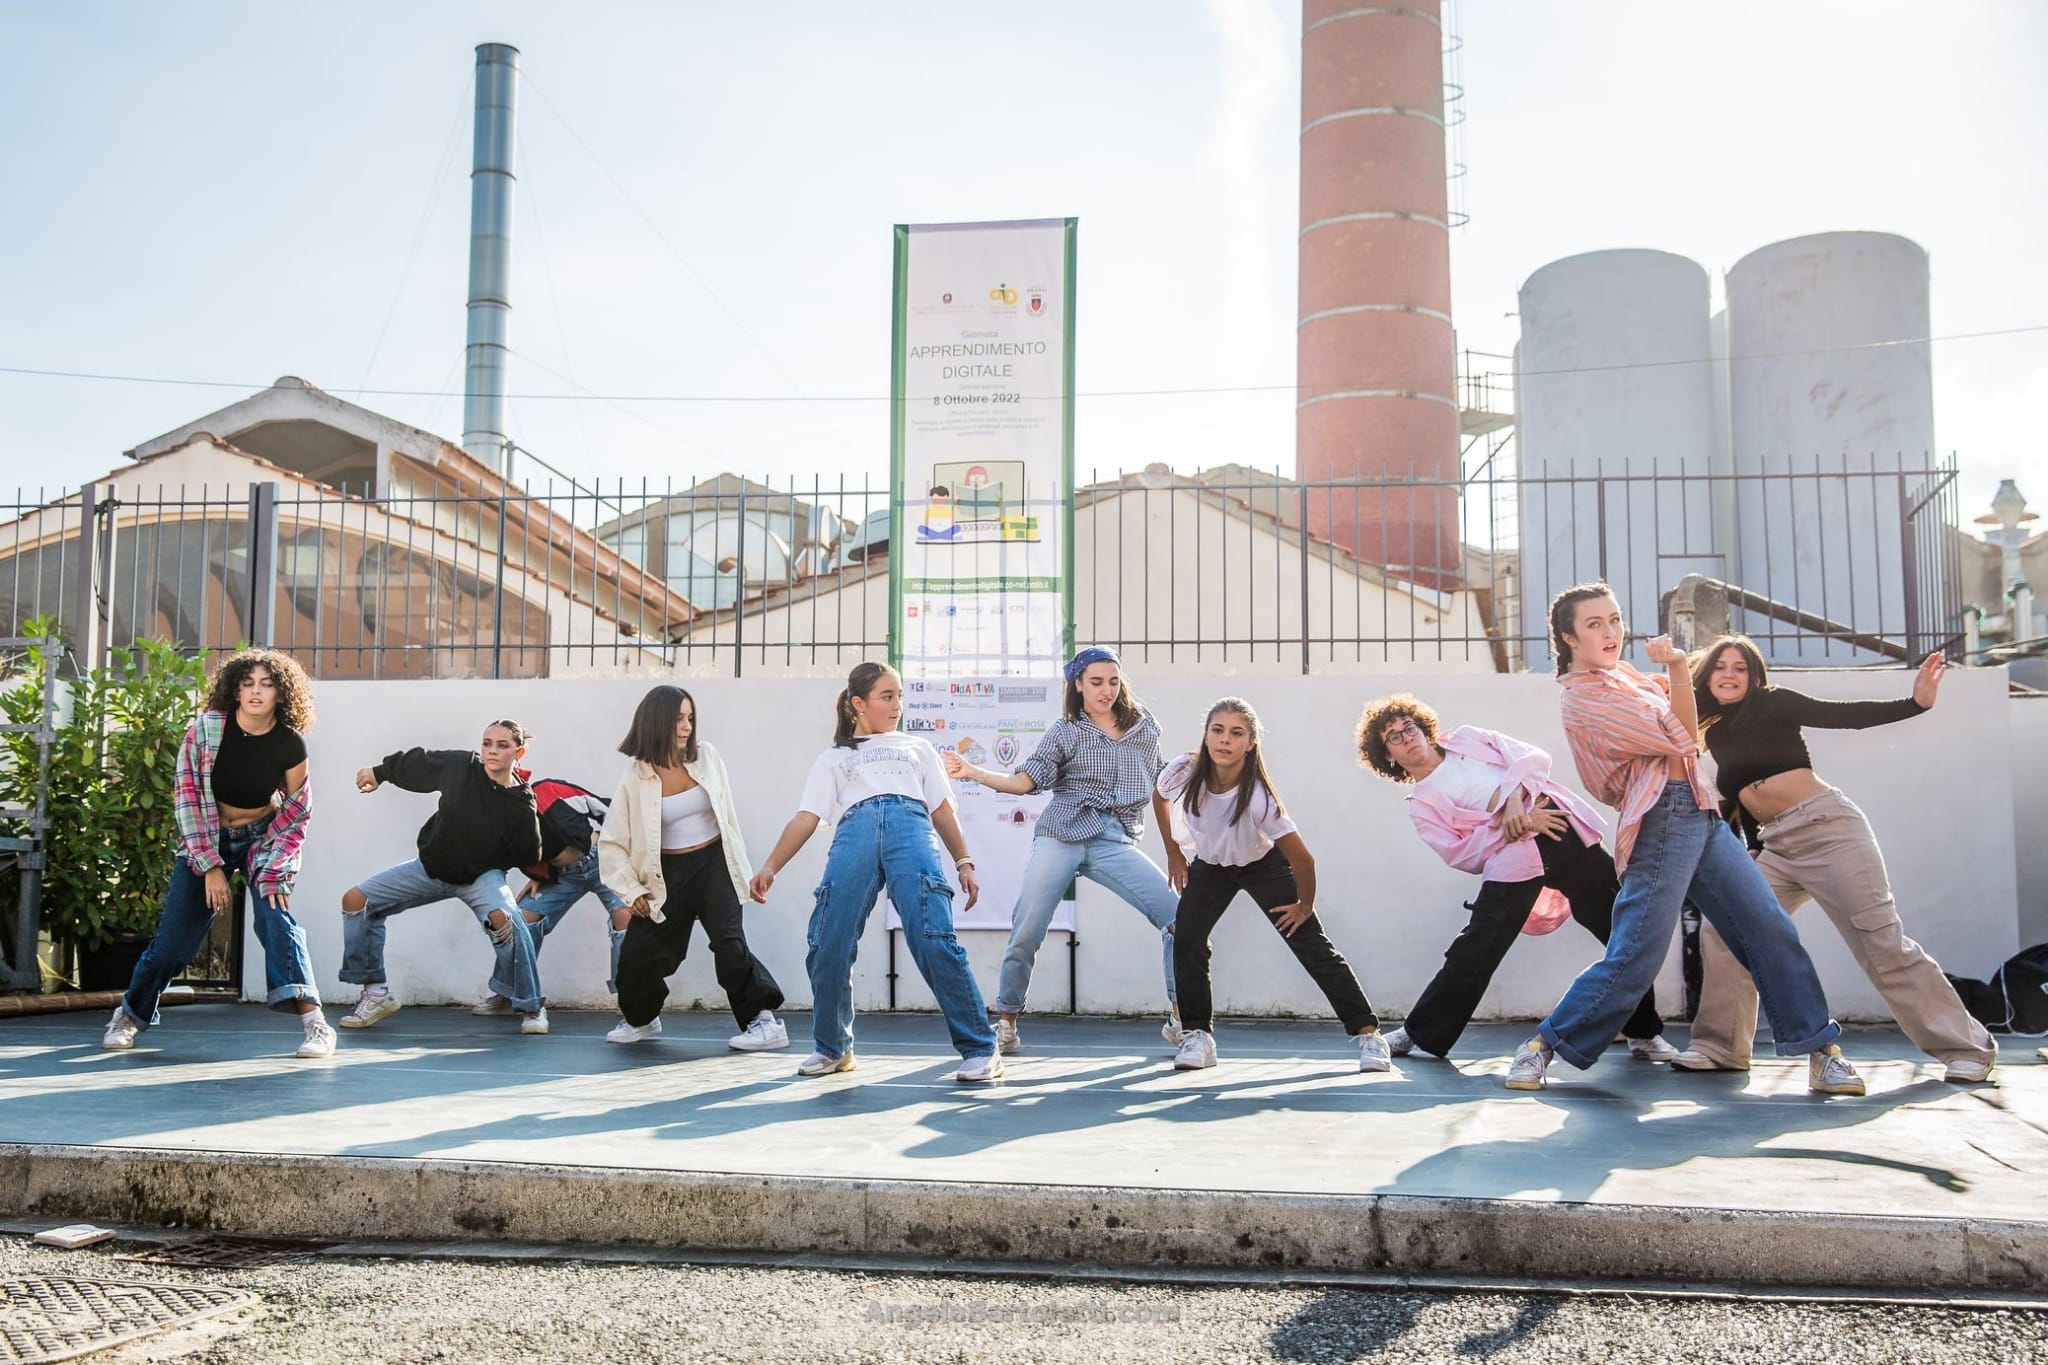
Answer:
(1091, 1104)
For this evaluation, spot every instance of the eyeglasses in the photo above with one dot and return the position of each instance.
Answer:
(1403, 733)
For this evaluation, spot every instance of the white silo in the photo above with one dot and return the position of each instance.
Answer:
(1830, 385)
(1615, 402)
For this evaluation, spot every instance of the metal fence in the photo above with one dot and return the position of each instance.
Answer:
(1845, 562)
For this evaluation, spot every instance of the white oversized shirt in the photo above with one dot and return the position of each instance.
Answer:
(893, 764)
(1209, 836)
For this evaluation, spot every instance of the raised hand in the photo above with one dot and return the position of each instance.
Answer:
(1927, 681)
(1659, 650)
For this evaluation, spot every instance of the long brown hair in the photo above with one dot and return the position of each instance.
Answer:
(652, 739)
(859, 683)
(1252, 778)
(1707, 704)
(294, 689)
(1563, 608)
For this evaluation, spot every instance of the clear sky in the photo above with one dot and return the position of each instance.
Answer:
(234, 191)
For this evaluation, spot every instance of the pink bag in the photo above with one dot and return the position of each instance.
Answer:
(1551, 909)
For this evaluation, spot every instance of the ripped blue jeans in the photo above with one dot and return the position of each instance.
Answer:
(889, 841)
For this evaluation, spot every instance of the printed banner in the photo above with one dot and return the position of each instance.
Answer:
(993, 723)
(981, 539)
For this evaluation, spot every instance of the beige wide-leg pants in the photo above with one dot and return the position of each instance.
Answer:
(1823, 850)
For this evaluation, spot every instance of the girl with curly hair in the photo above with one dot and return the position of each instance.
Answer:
(1485, 802)
(242, 803)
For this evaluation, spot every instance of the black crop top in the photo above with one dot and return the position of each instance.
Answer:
(249, 769)
(1758, 737)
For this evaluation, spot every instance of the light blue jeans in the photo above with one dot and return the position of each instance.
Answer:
(1115, 863)
(889, 840)
(515, 974)
(553, 901)
(184, 923)
(1685, 853)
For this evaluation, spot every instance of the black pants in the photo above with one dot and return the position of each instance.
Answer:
(699, 888)
(1270, 881)
(1585, 877)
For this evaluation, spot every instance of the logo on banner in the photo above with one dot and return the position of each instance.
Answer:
(1021, 695)
(946, 297)
(1037, 305)
(1004, 295)
(1006, 749)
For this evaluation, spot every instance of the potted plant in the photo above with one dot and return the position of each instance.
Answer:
(112, 779)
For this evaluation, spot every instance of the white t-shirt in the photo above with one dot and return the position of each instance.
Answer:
(1209, 835)
(1471, 783)
(894, 764)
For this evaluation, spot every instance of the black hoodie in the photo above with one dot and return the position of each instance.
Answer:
(480, 826)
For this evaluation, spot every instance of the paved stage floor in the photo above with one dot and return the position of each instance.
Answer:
(1088, 1102)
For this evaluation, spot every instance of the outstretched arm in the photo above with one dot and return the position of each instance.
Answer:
(1016, 784)
(794, 835)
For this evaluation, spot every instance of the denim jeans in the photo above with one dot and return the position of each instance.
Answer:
(1685, 853)
(514, 975)
(184, 922)
(1584, 875)
(1115, 863)
(1270, 882)
(553, 901)
(699, 892)
(889, 840)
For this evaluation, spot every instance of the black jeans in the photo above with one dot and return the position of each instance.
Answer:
(699, 888)
(1270, 881)
(1585, 877)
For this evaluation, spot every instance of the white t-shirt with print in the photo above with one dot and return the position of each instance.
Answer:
(893, 764)
(1208, 835)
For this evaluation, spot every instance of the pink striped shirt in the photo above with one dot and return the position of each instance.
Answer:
(1622, 729)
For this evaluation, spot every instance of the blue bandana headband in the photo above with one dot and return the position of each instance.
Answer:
(1094, 654)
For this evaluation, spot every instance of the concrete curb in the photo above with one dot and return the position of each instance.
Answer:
(413, 1199)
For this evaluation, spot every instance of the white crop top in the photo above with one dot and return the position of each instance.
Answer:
(686, 819)
(1472, 783)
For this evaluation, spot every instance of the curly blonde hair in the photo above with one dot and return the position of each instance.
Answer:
(294, 688)
(1380, 716)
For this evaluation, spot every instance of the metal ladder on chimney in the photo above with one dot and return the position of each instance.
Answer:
(24, 828)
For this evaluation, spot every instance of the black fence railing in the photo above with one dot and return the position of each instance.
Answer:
(1236, 568)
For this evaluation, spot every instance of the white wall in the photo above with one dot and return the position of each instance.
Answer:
(2030, 813)
(1939, 790)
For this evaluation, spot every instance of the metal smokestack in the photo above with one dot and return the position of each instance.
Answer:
(490, 256)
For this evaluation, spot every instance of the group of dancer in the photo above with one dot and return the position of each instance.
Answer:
(665, 854)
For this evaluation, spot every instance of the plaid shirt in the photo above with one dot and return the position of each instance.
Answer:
(273, 864)
(1100, 786)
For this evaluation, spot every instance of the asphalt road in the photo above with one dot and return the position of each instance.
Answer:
(366, 1310)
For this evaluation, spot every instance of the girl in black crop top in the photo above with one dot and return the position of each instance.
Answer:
(242, 804)
(1813, 843)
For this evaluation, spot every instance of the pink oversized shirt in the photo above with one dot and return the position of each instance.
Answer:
(1621, 729)
(1466, 838)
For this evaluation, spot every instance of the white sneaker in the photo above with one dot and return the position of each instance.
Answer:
(978, 1070)
(1967, 1071)
(818, 1064)
(1651, 1049)
(1399, 1044)
(319, 1039)
(765, 1034)
(1006, 1035)
(1172, 1032)
(370, 1009)
(1525, 1072)
(1828, 1073)
(537, 1022)
(1197, 1050)
(121, 1030)
(1374, 1052)
(492, 1006)
(623, 1032)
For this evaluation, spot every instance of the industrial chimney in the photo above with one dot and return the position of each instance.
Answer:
(1376, 364)
(490, 256)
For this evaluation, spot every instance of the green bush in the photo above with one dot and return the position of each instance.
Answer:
(113, 778)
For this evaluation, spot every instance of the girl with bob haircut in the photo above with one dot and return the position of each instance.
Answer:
(1230, 833)
(484, 821)
(671, 848)
(1486, 803)
(1815, 844)
(242, 802)
(1636, 743)
(1100, 762)
(889, 803)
